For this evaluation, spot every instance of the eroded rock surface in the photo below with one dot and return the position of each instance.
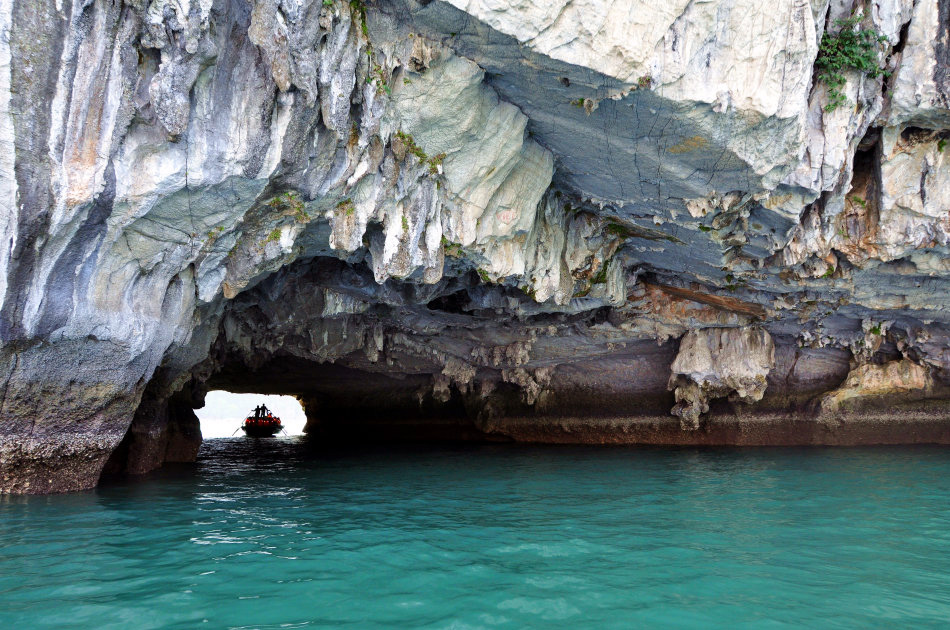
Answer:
(498, 220)
(717, 362)
(883, 384)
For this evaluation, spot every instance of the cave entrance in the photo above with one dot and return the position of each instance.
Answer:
(358, 402)
(224, 411)
(170, 430)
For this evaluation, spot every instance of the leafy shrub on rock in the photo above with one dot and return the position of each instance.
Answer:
(852, 48)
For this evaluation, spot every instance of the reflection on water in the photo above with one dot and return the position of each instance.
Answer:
(271, 534)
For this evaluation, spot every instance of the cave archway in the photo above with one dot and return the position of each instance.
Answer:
(459, 360)
(344, 403)
(394, 361)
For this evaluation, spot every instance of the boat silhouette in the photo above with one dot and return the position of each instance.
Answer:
(261, 423)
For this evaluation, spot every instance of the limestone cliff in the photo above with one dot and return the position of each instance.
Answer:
(562, 221)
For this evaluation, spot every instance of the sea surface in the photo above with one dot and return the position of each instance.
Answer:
(274, 534)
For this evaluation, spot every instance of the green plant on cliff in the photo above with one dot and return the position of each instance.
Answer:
(852, 48)
(601, 276)
(378, 78)
(435, 162)
(274, 236)
(411, 147)
(358, 7)
(214, 234)
(409, 142)
(451, 249)
(346, 208)
(292, 202)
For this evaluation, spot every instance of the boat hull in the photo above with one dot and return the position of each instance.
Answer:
(261, 430)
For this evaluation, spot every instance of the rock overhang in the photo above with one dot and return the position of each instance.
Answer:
(656, 113)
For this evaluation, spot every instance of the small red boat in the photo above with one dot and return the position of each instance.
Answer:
(261, 423)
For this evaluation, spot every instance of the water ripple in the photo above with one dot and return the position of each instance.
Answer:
(270, 534)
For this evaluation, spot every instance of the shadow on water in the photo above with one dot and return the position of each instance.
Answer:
(241, 455)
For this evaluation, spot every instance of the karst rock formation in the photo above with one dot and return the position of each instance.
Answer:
(590, 221)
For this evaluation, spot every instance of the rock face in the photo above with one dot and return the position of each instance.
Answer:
(715, 362)
(582, 221)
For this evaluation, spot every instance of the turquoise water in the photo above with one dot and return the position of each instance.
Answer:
(270, 535)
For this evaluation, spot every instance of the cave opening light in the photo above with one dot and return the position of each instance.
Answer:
(224, 412)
